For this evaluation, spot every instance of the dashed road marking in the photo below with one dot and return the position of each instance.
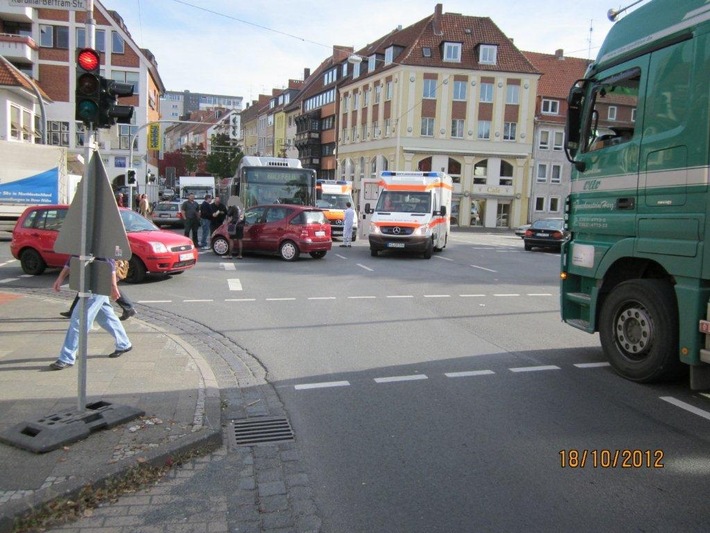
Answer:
(234, 284)
(364, 267)
(686, 406)
(280, 299)
(484, 268)
(199, 301)
(469, 373)
(534, 368)
(8, 280)
(437, 296)
(395, 379)
(399, 296)
(322, 298)
(592, 365)
(323, 385)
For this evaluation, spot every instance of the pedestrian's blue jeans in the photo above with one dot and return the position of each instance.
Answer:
(98, 308)
(205, 223)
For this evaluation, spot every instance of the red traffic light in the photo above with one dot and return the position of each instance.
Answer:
(88, 59)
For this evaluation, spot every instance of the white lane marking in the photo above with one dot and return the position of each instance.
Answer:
(539, 294)
(228, 266)
(437, 296)
(483, 268)
(400, 296)
(280, 299)
(341, 256)
(234, 284)
(393, 379)
(8, 280)
(155, 301)
(686, 406)
(534, 368)
(322, 298)
(197, 301)
(323, 385)
(504, 295)
(591, 365)
(240, 300)
(363, 266)
(468, 373)
(443, 258)
(361, 297)
(472, 295)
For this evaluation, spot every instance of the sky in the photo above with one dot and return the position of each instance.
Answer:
(246, 48)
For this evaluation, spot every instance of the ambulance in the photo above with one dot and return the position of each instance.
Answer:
(412, 212)
(332, 197)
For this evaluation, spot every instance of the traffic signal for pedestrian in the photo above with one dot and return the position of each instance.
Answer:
(110, 111)
(88, 87)
(131, 175)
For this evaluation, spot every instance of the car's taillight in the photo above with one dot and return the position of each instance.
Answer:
(179, 215)
(556, 234)
(528, 233)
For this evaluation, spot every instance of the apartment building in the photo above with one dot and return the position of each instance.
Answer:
(551, 171)
(179, 104)
(42, 43)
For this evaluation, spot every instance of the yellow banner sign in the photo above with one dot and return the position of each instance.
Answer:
(154, 137)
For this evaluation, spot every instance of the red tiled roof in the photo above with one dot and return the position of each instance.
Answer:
(558, 72)
(10, 76)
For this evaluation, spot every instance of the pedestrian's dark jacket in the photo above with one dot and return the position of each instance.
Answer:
(221, 211)
(206, 210)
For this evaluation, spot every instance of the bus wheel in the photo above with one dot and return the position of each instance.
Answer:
(289, 251)
(638, 328)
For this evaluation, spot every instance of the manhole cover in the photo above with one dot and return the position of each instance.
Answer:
(250, 431)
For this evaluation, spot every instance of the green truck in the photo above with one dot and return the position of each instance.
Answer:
(637, 266)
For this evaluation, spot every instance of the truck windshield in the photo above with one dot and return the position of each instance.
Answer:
(404, 202)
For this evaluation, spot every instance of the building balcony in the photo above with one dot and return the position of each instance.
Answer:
(16, 13)
(18, 48)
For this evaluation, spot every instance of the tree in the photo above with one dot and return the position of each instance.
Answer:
(194, 157)
(224, 156)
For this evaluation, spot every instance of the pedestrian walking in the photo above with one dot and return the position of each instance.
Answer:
(99, 308)
(235, 227)
(205, 220)
(348, 226)
(119, 200)
(191, 214)
(219, 213)
(144, 206)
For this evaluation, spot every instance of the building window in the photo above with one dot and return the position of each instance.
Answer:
(356, 70)
(544, 141)
(117, 44)
(57, 133)
(427, 127)
(429, 89)
(99, 37)
(330, 76)
(541, 173)
(487, 54)
(509, 131)
(559, 141)
(80, 133)
(612, 112)
(389, 55)
(512, 94)
(378, 93)
(388, 126)
(53, 36)
(388, 90)
(366, 98)
(127, 77)
(376, 129)
(457, 128)
(452, 52)
(125, 132)
(554, 204)
(426, 51)
(486, 92)
(556, 174)
(15, 125)
(346, 102)
(364, 135)
(539, 204)
(480, 172)
(550, 107)
(459, 90)
(484, 129)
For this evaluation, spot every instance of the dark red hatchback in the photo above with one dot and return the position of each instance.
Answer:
(288, 230)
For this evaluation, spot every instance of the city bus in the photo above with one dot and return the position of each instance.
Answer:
(637, 266)
(272, 180)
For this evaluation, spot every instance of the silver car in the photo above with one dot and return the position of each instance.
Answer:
(168, 214)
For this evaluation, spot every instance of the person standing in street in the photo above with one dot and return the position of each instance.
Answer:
(144, 206)
(205, 221)
(99, 308)
(219, 213)
(191, 214)
(235, 224)
(348, 226)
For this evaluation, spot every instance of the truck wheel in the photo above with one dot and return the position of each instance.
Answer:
(428, 251)
(289, 251)
(32, 263)
(638, 329)
(136, 270)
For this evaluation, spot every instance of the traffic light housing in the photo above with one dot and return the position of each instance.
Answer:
(110, 111)
(88, 87)
(131, 176)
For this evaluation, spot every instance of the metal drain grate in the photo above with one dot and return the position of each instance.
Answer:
(247, 432)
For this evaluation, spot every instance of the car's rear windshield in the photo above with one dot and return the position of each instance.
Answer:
(547, 224)
(310, 217)
(166, 206)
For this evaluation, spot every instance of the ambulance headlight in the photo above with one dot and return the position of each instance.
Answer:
(374, 228)
(422, 230)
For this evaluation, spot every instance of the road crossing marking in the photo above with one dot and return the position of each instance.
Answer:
(234, 284)
(228, 266)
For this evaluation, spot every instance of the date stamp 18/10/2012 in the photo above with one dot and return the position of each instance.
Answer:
(606, 458)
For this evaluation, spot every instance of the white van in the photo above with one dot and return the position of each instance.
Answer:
(412, 212)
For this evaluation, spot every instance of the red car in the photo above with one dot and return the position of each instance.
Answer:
(286, 229)
(154, 250)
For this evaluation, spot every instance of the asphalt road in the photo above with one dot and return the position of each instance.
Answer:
(446, 395)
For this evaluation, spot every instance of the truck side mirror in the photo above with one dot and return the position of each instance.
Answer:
(368, 209)
(443, 210)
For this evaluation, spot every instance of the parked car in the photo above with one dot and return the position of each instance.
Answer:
(546, 233)
(284, 229)
(520, 230)
(168, 214)
(168, 194)
(154, 250)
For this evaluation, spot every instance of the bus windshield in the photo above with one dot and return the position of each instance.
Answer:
(276, 185)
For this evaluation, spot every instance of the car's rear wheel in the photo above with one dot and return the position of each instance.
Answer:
(289, 251)
(318, 255)
(528, 247)
(136, 270)
(32, 262)
(220, 246)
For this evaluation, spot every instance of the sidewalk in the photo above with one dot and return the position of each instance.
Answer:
(163, 376)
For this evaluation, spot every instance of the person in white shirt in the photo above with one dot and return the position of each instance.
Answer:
(348, 226)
